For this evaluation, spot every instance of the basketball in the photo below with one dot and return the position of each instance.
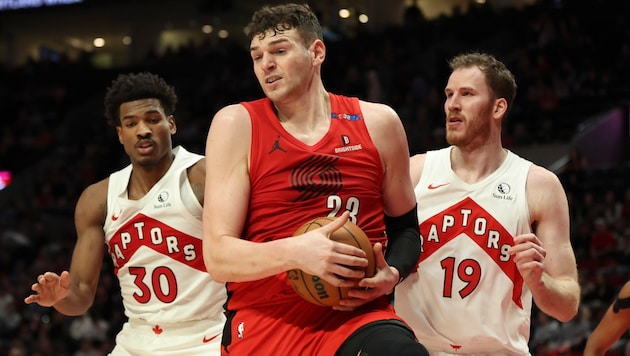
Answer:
(317, 290)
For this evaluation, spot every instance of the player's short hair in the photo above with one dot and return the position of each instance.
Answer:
(285, 17)
(499, 78)
(135, 86)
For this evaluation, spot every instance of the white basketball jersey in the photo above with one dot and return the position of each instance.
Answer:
(156, 246)
(467, 295)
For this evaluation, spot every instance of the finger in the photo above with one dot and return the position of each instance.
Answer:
(35, 287)
(343, 308)
(30, 299)
(65, 279)
(361, 292)
(379, 256)
(335, 224)
(349, 255)
(339, 281)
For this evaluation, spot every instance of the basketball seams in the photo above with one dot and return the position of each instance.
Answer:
(305, 285)
(310, 292)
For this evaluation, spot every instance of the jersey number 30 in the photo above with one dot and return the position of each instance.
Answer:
(159, 276)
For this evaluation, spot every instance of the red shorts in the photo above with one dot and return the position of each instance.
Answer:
(299, 328)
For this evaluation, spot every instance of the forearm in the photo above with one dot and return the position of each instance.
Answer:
(77, 302)
(557, 297)
(231, 259)
(403, 242)
(597, 345)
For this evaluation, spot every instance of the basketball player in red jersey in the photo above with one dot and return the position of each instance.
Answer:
(298, 154)
(148, 214)
(495, 228)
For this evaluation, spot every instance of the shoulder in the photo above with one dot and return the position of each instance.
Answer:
(197, 172)
(541, 178)
(229, 121)
(416, 165)
(380, 119)
(625, 291)
(96, 191)
(229, 113)
(545, 193)
(377, 111)
(92, 204)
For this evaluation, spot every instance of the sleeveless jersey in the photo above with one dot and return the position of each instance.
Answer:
(156, 247)
(291, 184)
(467, 296)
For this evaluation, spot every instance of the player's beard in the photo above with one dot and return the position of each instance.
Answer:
(477, 129)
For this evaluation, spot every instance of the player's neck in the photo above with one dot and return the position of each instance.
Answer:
(476, 164)
(143, 178)
(307, 118)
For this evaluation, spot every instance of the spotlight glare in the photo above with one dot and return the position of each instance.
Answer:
(99, 42)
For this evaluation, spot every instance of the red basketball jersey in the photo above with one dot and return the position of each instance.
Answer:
(292, 183)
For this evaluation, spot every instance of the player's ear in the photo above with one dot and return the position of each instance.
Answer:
(172, 124)
(318, 51)
(500, 108)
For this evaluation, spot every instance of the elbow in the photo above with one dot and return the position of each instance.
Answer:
(567, 316)
(213, 268)
(218, 276)
(569, 312)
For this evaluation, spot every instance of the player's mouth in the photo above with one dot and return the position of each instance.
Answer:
(271, 80)
(454, 120)
(145, 146)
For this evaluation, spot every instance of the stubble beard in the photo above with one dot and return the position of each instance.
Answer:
(474, 130)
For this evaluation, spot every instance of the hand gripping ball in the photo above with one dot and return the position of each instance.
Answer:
(317, 290)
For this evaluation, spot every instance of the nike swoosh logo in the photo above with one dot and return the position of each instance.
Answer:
(431, 186)
(206, 340)
(115, 216)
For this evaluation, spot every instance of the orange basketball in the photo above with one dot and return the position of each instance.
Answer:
(317, 290)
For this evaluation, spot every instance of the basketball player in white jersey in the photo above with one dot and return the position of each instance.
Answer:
(149, 217)
(495, 228)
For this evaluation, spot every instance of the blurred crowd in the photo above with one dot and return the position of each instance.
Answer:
(571, 61)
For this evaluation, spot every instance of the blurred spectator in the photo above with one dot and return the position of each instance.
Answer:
(566, 63)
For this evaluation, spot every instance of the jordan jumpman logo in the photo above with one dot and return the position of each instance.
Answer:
(276, 146)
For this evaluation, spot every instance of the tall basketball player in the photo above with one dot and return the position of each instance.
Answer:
(299, 154)
(495, 228)
(149, 217)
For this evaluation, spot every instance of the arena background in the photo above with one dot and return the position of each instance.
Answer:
(571, 60)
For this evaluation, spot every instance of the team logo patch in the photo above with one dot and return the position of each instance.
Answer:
(317, 176)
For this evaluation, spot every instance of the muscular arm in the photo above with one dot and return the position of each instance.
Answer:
(73, 293)
(227, 256)
(197, 178)
(610, 328)
(546, 259)
(389, 137)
